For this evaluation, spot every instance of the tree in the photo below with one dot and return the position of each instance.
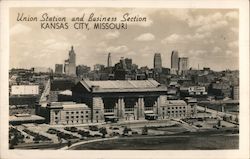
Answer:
(125, 131)
(237, 120)
(103, 131)
(145, 130)
(69, 143)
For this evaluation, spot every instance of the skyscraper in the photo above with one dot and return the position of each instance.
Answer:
(157, 62)
(174, 60)
(70, 64)
(109, 62)
(183, 64)
(59, 68)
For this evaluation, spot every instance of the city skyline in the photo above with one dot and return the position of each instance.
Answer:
(207, 37)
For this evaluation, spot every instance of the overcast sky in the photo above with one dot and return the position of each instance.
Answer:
(208, 37)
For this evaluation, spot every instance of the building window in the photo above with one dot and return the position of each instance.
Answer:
(176, 107)
(72, 117)
(72, 112)
(87, 112)
(67, 112)
(77, 112)
(82, 116)
(82, 112)
(96, 112)
(67, 117)
(163, 108)
(87, 116)
(77, 116)
(56, 118)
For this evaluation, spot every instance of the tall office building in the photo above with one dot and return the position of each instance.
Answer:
(59, 68)
(183, 64)
(109, 62)
(157, 62)
(70, 64)
(174, 60)
(128, 63)
(66, 67)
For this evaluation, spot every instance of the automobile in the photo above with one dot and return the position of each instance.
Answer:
(93, 128)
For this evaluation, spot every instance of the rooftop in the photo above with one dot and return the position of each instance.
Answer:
(68, 105)
(66, 92)
(25, 117)
(177, 102)
(118, 84)
(123, 85)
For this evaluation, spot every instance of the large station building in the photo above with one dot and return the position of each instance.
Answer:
(130, 100)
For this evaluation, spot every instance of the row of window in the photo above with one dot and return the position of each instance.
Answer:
(163, 108)
(180, 111)
(77, 112)
(72, 117)
(77, 121)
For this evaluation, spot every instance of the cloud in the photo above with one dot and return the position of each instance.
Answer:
(101, 46)
(232, 15)
(198, 36)
(173, 38)
(59, 46)
(197, 52)
(118, 49)
(235, 30)
(212, 26)
(185, 38)
(19, 29)
(49, 41)
(80, 36)
(216, 49)
(181, 14)
(145, 37)
(229, 52)
(233, 44)
(204, 23)
(112, 35)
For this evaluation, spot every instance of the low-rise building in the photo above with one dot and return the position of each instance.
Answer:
(70, 113)
(193, 91)
(24, 89)
(236, 92)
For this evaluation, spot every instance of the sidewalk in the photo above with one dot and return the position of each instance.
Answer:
(85, 142)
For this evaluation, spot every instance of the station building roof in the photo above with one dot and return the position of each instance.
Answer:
(122, 85)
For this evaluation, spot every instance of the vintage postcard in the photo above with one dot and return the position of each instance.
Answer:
(121, 79)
